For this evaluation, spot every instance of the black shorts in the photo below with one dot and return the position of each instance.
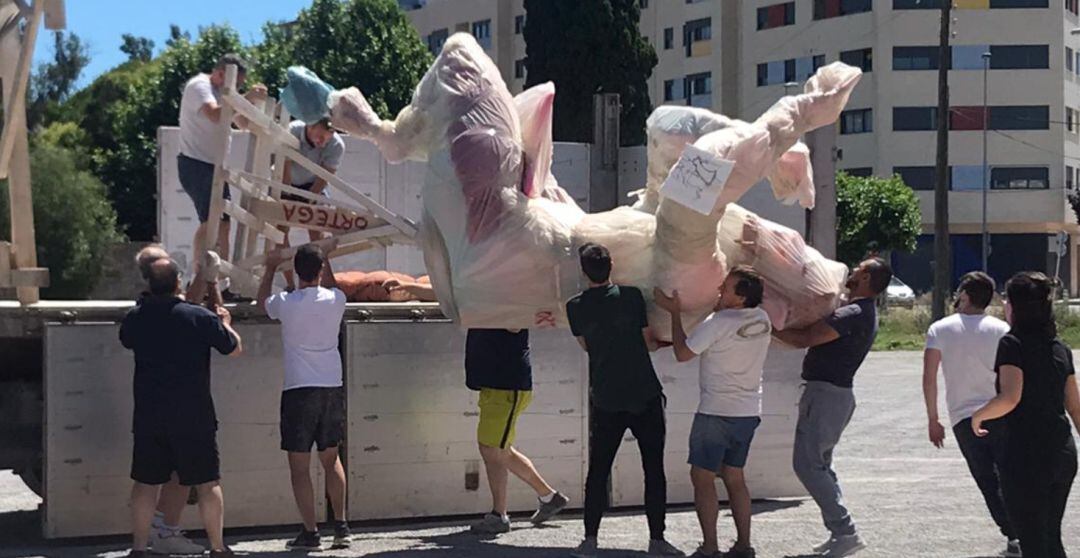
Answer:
(197, 179)
(312, 415)
(193, 456)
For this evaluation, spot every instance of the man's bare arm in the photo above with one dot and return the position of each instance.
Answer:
(931, 361)
(818, 333)
(328, 279)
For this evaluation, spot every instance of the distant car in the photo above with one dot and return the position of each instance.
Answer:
(899, 293)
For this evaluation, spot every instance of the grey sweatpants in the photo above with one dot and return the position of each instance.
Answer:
(824, 413)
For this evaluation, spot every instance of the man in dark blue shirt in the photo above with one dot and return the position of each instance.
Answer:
(174, 424)
(837, 345)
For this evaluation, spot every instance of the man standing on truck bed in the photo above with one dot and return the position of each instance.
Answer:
(312, 398)
(174, 424)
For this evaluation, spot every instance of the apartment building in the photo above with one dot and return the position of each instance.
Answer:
(740, 56)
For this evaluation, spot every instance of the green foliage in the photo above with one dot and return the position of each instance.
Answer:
(875, 214)
(74, 223)
(587, 47)
(137, 48)
(53, 81)
(369, 44)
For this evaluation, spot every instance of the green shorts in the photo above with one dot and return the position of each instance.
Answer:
(499, 412)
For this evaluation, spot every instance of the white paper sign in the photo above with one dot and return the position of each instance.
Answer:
(697, 179)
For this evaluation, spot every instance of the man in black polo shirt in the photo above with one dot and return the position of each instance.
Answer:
(609, 321)
(174, 424)
(497, 365)
(838, 345)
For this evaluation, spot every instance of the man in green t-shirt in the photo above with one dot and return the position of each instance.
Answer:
(609, 321)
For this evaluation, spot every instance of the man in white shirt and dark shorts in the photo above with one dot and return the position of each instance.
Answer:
(732, 342)
(201, 142)
(312, 399)
(964, 345)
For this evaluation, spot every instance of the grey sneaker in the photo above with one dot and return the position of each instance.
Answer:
(163, 541)
(660, 547)
(587, 549)
(548, 510)
(700, 553)
(747, 552)
(491, 524)
(845, 546)
(1012, 550)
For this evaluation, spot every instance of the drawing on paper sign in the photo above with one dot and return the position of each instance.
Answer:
(697, 179)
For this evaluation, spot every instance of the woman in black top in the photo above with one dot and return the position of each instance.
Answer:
(1036, 385)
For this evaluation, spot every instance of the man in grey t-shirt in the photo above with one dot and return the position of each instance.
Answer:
(322, 145)
(837, 345)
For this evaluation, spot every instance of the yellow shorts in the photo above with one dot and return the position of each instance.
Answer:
(499, 412)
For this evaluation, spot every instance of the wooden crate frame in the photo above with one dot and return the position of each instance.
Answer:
(357, 223)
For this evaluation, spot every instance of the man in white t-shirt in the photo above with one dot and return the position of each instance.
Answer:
(201, 143)
(732, 343)
(964, 345)
(312, 399)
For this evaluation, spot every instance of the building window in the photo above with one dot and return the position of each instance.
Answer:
(644, 4)
(1069, 174)
(697, 35)
(699, 89)
(824, 9)
(1019, 57)
(1009, 4)
(861, 58)
(913, 119)
(859, 121)
(917, 178)
(482, 31)
(967, 178)
(1068, 59)
(1019, 178)
(915, 58)
(1073, 6)
(1020, 117)
(519, 24)
(669, 38)
(781, 72)
(519, 69)
(967, 118)
(777, 15)
(1070, 120)
(1077, 64)
(669, 90)
(916, 4)
(436, 40)
(861, 172)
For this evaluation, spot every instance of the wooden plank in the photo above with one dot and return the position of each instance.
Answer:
(277, 175)
(55, 15)
(15, 107)
(406, 226)
(306, 194)
(261, 167)
(311, 217)
(217, 203)
(258, 121)
(343, 242)
(253, 221)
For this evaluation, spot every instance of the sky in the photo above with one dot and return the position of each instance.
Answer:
(100, 23)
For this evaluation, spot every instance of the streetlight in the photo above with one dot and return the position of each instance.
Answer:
(985, 166)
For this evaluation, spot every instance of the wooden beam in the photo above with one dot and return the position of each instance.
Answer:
(217, 203)
(253, 221)
(278, 173)
(404, 225)
(306, 194)
(312, 217)
(261, 123)
(387, 231)
(15, 107)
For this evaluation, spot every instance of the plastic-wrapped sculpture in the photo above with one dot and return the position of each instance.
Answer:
(499, 235)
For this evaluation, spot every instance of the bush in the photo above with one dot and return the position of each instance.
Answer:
(74, 222)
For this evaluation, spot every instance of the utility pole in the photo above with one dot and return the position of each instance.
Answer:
(942, 256)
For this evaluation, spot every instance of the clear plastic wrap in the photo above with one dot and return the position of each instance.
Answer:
(305, 95)
(367, 286)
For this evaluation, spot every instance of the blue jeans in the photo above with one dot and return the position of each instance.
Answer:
(824, 413)
(717, 441)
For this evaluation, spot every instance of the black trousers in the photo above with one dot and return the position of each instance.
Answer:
(1036, 497)
(605, 435)
(981, 456)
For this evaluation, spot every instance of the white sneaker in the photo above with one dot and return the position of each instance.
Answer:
(845, 546)
(821, 548)
(163, 541)
(1012, 550)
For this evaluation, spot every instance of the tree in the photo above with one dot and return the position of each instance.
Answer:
(137, 48)
(75, 224)
(369, 44)
(588, 47)
(53, 81)
(875, 215)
